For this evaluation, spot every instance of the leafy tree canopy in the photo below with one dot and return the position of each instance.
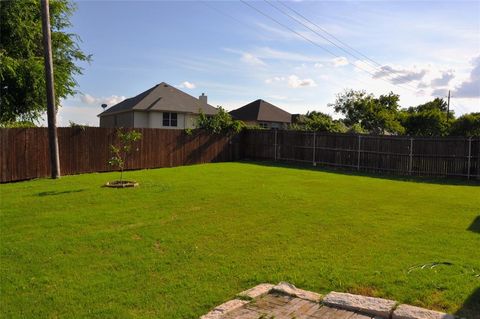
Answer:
(222, 122)
(437, 104)
(318, 121)
(376, 115)
(22, 75)
(466, 125)
(429, 119)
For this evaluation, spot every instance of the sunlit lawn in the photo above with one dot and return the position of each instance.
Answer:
(190, 238)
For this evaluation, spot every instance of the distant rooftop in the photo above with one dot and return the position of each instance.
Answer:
(162, 97)
(263, 111)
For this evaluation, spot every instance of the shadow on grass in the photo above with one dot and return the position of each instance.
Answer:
(346, 171)
(475, 226)
(53, 193)
(471, 307)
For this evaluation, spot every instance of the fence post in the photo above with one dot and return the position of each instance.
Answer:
(410, 161)
(469, 156)
(275, 146)
(358, 156)
(314, 144)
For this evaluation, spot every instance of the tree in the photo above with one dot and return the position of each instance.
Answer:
(222, 122)
(376, 115)
(466, 125)
(22, 89)
(429, 119)
(123, 149)
(318, 121)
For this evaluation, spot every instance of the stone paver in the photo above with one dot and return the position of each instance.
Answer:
(289, 289)
(256, 291)
(225, 308)
(371, 305)
(411, 312)
(285, 301)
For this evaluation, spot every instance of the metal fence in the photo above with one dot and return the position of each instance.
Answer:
(421, 156)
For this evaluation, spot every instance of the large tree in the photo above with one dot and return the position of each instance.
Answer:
(376, 115)
(318, 121)
(22, 89)
(429, 119)
(466, 125)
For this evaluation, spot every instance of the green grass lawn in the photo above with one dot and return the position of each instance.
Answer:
(192, 237)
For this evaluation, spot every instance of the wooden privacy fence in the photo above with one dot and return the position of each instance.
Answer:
(25, 153)
(439, 156)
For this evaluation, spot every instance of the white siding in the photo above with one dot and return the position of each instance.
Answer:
(150, 119)
(190, 120)
(155, 120)
(140, 119)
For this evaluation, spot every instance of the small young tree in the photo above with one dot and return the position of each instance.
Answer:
(123, 149)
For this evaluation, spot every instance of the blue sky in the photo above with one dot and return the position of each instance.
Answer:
(236, 55)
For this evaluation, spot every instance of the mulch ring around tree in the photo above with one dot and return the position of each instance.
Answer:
(121, 184)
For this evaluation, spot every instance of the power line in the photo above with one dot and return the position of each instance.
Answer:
(226, 14)
(342, 42)
(313, 42)
(304, 37)
(331, 35)
(336, 45)
(221, 12)
(319, 34)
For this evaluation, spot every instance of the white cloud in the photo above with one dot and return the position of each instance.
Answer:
(363, 66)
(109, 100)
(187, 85)
(249, 58)
(340, 61)
(275, 79)
(422, 85)
(398, 75)
(269, 53)
(318, 65)
(444, 79)
(88, 99)
(440, 92)
(295, 82)
(471, 87)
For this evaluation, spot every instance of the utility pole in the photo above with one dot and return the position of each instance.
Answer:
(448, 105)
(51, 110)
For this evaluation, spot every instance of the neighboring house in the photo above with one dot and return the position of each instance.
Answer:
(264, 114)
(162, 106)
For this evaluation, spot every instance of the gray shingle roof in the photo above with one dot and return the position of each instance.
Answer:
(261, 110)
(162, 97)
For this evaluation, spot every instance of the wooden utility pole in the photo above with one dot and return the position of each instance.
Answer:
(51, 110)
(448, 105)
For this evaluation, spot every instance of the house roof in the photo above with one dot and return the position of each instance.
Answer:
(261, 110)
(161, 97)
